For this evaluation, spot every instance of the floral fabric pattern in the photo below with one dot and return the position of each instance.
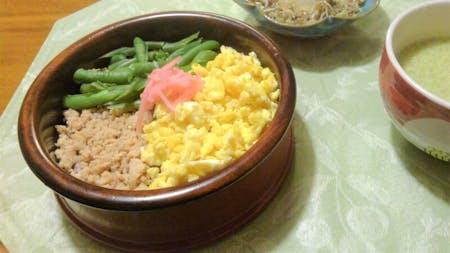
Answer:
(356, 184)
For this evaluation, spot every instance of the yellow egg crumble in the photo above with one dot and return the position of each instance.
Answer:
(225, 119)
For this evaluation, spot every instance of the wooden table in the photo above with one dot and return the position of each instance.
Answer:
(24, 25)
(2, 248)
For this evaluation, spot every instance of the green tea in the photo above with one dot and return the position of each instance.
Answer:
(428, 63)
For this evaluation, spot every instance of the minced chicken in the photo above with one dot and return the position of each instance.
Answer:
(102, 148)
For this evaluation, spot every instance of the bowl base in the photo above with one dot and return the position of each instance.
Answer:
(202, 239)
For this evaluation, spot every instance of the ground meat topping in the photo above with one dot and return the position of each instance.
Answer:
(102, 148)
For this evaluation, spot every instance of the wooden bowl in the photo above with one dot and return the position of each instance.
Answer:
(171, 219)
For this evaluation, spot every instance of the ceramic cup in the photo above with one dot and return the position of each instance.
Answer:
(420, 116)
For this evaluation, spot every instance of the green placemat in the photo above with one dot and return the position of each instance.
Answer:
(357, 185)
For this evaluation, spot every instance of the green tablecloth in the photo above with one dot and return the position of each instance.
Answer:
(357, 185)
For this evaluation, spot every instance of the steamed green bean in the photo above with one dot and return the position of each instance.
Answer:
(156, 55)
(183, 50)
(204, 57)
(94, 87)
(171, 47)
(129, 106)
(88, 100)
(118, 85)
(131, 92)
(91, 75)
(142, 69)
(154, 44)
(127, 51)
(188, 56)
(141, 49)
(117, 58)
(122, 63)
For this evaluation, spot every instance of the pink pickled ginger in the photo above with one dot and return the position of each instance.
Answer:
(168, 85)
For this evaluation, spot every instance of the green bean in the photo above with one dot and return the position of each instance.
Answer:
(82, 101)
(201, 58)
(141, 49)
(186, 68)
(166, 46)
(207, 45)
(140, 84)
(132, 91)
(204, 57)
(117, 63)
(154, 44)
(117, 58)
(159, 63)
(127, 51)
(171, 47)
(184, 49)
(130, 106)
(95, 87)
(119, 86)
(131, 51)
(142, 69)
(91, 75)
(122, 64)
(157, 54)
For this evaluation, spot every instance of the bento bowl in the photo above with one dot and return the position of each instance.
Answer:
(420, 116)
(170, 219)
(318, 29)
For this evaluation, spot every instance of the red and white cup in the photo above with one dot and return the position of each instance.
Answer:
(420, 116)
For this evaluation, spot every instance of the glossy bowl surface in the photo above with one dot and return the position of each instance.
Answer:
(420, 116)
(318, 29)
(171, 219)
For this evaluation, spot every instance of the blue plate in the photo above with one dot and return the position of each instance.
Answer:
(321, 28)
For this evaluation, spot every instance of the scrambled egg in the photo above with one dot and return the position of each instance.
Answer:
(225, 119)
